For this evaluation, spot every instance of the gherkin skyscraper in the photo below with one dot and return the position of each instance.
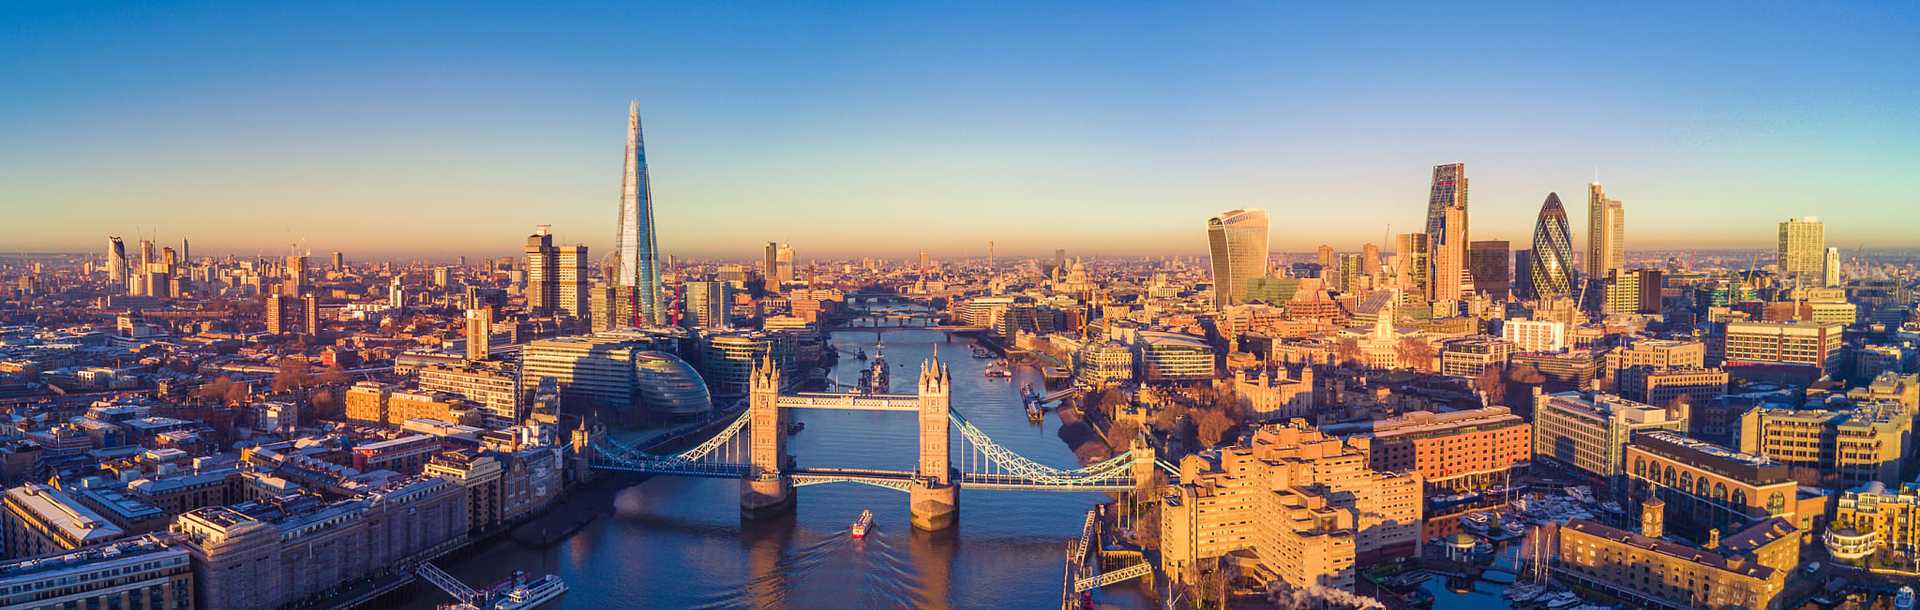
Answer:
(1552, 254)
(637, 270)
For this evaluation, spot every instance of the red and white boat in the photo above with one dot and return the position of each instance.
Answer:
(860, 525)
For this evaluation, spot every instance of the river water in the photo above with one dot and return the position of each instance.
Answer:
(680, 543)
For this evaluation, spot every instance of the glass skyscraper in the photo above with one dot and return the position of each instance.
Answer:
(1552, 252)
(1237, 244)
(635, 251)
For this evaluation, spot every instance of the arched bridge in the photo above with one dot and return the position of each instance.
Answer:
(752, 449)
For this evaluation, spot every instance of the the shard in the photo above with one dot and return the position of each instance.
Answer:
(636, 266)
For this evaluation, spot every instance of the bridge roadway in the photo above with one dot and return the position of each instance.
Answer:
(897, 480)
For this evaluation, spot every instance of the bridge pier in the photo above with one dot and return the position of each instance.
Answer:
(763, 496)
(935, 505)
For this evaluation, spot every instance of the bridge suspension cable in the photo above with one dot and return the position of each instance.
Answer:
(1019, 466)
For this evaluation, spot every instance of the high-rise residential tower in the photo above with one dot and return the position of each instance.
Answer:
(1833, 268)
(1606, 233)
(543, 283)
(1552, 254)
(635, 249)
(1237, 243)
(1803, 248)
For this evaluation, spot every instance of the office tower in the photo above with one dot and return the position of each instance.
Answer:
(783, 264)
(1552, 254)
(186, 251)
(707, 302)
(1350, 277)
(442, 277)
(1370, 260)
(1832, 268)
(989, 255)
(923, 263)
(1487, 261)
(1522, 285)
(1237, 244)
(169, 259)
(1606, 233)
(1410, 255)
(1324, 257)
(479, 332)
(1449, 279)
(543, 279)
(635, 247)
(339, 262)
(574, 281)
(296, 276)
(770, 267)
(1059, 258)
(116, 261)
(1448, 190)
(1803, 248)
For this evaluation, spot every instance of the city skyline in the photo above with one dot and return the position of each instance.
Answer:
(873, 158)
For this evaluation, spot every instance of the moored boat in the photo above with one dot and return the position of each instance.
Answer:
(527, 594)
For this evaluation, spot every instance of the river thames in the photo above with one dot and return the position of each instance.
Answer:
(680, 543)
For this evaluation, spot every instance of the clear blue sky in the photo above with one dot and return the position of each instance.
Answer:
(1105, 128)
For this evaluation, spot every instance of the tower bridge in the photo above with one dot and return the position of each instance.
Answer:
(753, 449)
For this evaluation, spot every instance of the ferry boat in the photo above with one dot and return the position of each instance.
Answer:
(994, 372)
(860, 525)
(1034, 412)
(531, 594)
(796, 427)
(1904, 599)
(981, 352)
(860, 354)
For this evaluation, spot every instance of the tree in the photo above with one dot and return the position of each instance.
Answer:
(1122, 434)
(333, 375)
(215, 390)
(1492, 382)
(1414, 352)
(1347, 351)
(1168, 417)
(291, 376)
(326, 404)
(237, 394)
(1214, 425)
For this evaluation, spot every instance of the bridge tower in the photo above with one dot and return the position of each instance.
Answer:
(766, 489)
(935, 496)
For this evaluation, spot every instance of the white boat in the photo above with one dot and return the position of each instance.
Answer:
(860, 525)
(1476, 522)
(1562, 599)
(531, 594)
(1514, 527)
(1524, 592)
(1904, 599)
